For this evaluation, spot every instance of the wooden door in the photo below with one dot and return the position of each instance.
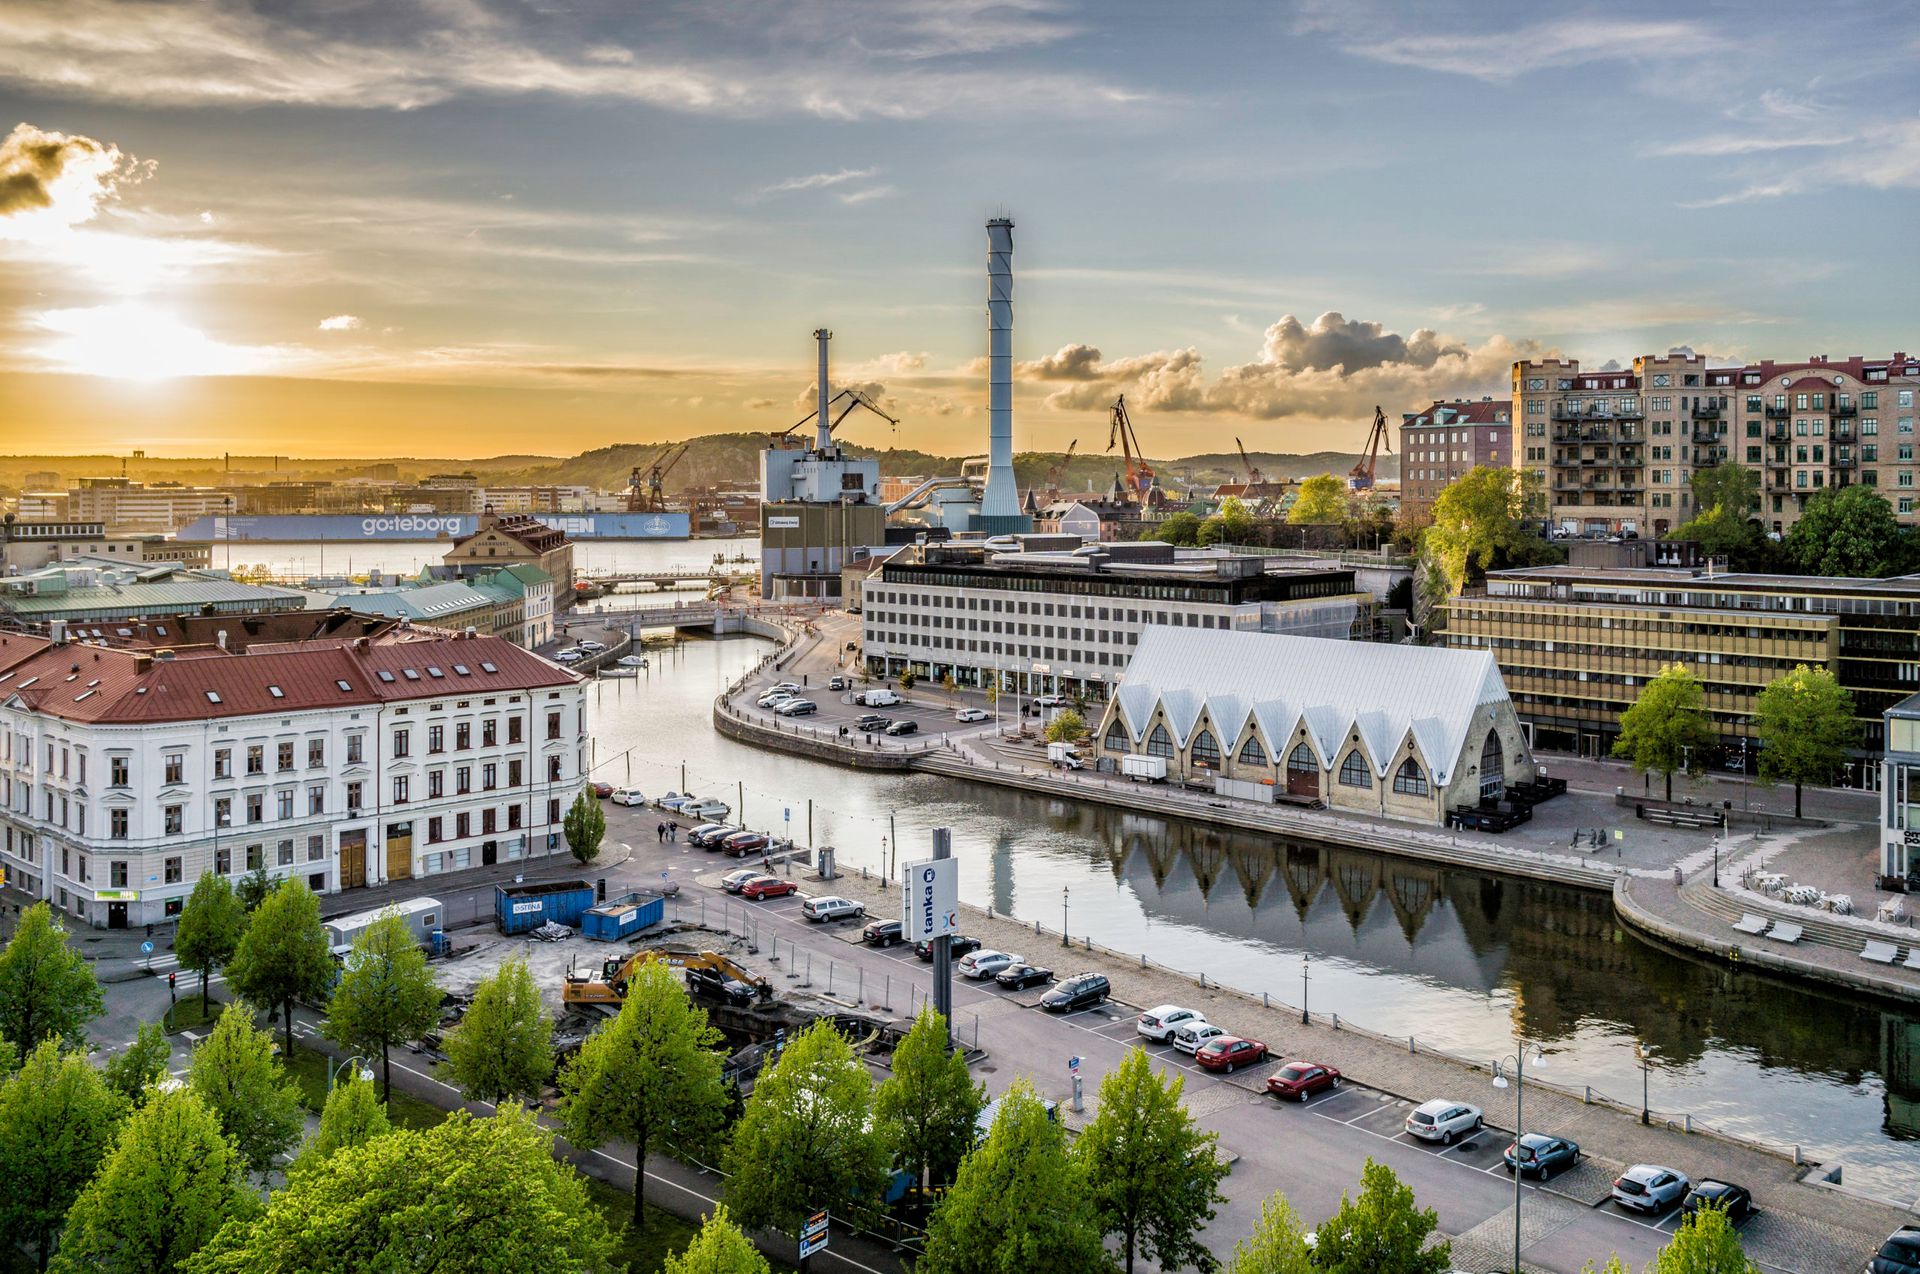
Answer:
(400, 852)
(353, 860)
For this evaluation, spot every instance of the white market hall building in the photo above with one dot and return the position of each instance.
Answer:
(1402, 731)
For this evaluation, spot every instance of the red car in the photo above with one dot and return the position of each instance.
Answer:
(740, 844)
(1301, 1080)
(603, 790)
(768, 887)
(1229, 1052)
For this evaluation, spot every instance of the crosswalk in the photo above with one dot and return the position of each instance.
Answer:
(171, 963)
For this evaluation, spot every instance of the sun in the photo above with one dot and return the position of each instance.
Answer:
(133, 340)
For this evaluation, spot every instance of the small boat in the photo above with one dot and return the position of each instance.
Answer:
(618, 672)
(633, 661)
(712, 808)
(675, 801)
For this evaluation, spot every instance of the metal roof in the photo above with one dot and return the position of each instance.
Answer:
(173, 593)
(1336, 689)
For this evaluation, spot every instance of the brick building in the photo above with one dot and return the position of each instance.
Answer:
(1444, 441)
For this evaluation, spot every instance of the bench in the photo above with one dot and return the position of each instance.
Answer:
(1750, 923)
(1681, 818)
(1879, 952)
(1786, 931)
(1913, 958)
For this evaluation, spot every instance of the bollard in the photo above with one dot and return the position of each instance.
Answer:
(1336, 1021)
(1410, 1047)
(806, 979)
(887, 1002)
(976, 1048)
(1143, 959)
(1797, 1160)
(1265, 1003)
(1689, 1122)
(829, 977)
(1588, 1098)
(1203, 979)
(860, 990)
(775, 957)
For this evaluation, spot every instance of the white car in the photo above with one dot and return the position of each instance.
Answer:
(627, 796)
(970, 714)
(981, 965)
(787, 686)
(1648, 1187)
(569, 656)
(830, 907)
(1190, 1037)
(774, 698)
(593, 647)
(1442, 1120)
(1050, 701)
(1160, 1023)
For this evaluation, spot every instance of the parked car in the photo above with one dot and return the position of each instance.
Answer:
(774, 698)
(981, 965)
(1900, 1254)
(838, 683)
(712, 982)
(1301, 1080)
(1442, 1120)
(1018, 977)
(1050, 701)
(569, 656)
(787, 686)
(1229, 1053)
(796, 708)
(971, 714)
(742, 843)
(899, 728)
(592, 647)
(957, 945)
(831, 907)
(1081, 991)
(768, 887)
(872, 721)
(1648, 1187)
(603, 790)
(732, 881)
(882, 933)
(1159, 1023)
(1542, 1155)
(709, 835)
(627, 796)
(1731, 1199)
(1188, 1038)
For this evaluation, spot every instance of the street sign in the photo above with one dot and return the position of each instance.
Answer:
(813, 1235)
(929, 899)
(1073, 1065)
(146, 948)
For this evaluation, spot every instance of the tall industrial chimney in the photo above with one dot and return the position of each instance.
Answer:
(1000, 505)
(822, 439)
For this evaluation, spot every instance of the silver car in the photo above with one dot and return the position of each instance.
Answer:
(1161, 1022)
(1442, 1120)
(1648, 1187)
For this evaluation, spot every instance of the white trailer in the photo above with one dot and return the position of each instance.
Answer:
(422, 917)
(1063, 756)
(1144, 769)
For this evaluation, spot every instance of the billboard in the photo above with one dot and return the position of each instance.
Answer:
(929, 899)
(331, 527)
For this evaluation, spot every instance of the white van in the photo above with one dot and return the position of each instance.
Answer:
(882, 698)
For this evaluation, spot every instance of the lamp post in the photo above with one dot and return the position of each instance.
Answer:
(1645, 1059)
(1716, 860)
(334, 1069)
(1519, 1060)
(1305, 960)
(1064, 890)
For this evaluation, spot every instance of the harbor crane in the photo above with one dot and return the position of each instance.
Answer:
(857, 398)
(1139, 473)
(1253, 474)
(1056, 471)
(647, 494)
(1360, 478)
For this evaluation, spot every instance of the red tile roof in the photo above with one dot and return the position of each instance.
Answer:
(1468, 411)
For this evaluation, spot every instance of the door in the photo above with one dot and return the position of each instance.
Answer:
(489, 853)
(1303, 772)
(116, 915)
(399, 851)
(353, 859)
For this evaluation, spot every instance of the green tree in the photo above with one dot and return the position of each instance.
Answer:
(651, 1076)
(468, 1196)
(1705, 1243)
(352, 1116)
(46, 987)
(57, 1122)
(1845, 531)
(283, 956)
(1278, 1244)
(1381, 1232)
(1732, 487)
(1667, 729)
(1067, 726)
(172, 1180)
(254, 888)
(907, 680)
(719, 1248)
(1480, 517)
(503, 1046)
(585, 826)
(1179, 529)
(386, 994)
(1321, 499)
(210, 927)
(1614, 1265)
(928, 1106)
(807, 1140)
(1021, 1202)
(1805, 722)
(141, 1064)
(1154, 1176)
(236, 1074)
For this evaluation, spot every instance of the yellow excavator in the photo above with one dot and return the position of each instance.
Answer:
(707, 973)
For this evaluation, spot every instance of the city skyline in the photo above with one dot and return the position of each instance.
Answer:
(461, 229)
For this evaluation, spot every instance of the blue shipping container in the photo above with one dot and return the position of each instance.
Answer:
(518, 908)
(613, 921)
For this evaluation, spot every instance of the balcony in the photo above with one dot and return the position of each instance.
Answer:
(1628, 413)
(1842, 433)
(1779, 433)
(1706, 411)
(1708, 437)
(1844, 462)
(1844, 409)
(1776, 413)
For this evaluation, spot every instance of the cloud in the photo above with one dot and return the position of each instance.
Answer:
(340, 323)
(1724, 144)
(1069, 362)
(1501, 54)
(815, 181)
(1333, 342)
(757, 404)
(869, 194)
(51, 182)
(1880, 156)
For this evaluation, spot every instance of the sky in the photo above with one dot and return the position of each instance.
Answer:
(477, 227)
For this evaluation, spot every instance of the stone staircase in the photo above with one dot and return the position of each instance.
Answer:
(1821, 929)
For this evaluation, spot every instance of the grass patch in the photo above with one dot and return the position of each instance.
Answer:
(643, 1252)
(309, 1070)
(185, 1014)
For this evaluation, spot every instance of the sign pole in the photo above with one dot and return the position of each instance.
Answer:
(943, 948)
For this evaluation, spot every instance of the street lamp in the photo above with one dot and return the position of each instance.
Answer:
(1064, 890)
(1645, 1059)
(1519, 1060)
(1304, 961)
(334, 1069)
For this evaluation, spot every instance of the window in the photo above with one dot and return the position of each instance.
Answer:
(283, 757)
(462, 825)
(553, 725)
(1410, 779)
(489, 821)
(402, 743)
(401, 786)
(356, 749)
(433, 830)
(223, 811)
(316, 753)
(223, 861)
(1116, 740)
(353, 796)
(117, 824)
(1159, 743)
(256, 759)
(256, 807)
(173, 870)
(117, 771)
(436, 738)
(283, 804)
(436, 784)
(489, 777)
(462, 736)
(489, 733)
(553, 769)
(175, 768)
(513, 772)
(1251, 753)
(1206, 750)
(316, 848)
(174, 819)
(462, 779)
(1302, 761)
(1353, 771)
(317, 798)
(513, 729)
(256, 857)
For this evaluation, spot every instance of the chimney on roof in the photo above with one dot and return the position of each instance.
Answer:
(142, 661)
(57, 631)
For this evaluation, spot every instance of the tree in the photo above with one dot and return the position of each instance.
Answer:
(907, 679)
(949, 687)
(236, 1074)
(1845, 531)
(807, 1140)
(351, 1117)
(210, 927)
(503, 1046)
(254, 888)
(1067, 726)
(386, 994)
(468, 1196)
(1480, 516)
(172, 1180)
(1666, 728)
(1381, 1232)
(585, 826)
(1732, 487)
(928, 1107)
(1705, 1243)
(283, 956)
(57, 1122)
(1232, 524)
(1021, 1202)
(1614, 1265)
(1806, 727)
(141, 1064)
(1278, 1244)
(46, 987)
(1154, 1176)
(651, 1076)
(1179, 529)
(1321, 499)
(719, 1248)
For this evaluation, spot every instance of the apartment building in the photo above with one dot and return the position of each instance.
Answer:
(127, 771)
(1616, 449)
(1056, 614)
(1576, 645)
(120, 502)
(1445, 441)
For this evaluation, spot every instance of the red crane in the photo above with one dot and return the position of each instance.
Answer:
(1253, 475)
(1360, 478)
(1139, 473)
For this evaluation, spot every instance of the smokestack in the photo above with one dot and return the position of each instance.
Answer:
(1000, 505)
(821, 438)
